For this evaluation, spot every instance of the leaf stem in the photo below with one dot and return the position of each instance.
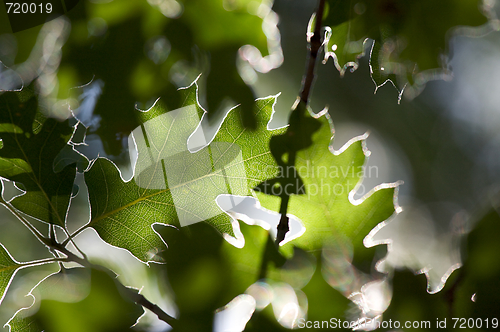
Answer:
(43, 261)
(61, 247)
(70, 239)
(75, 233)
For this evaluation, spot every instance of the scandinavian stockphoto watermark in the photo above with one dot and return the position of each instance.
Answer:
(312, 180)
(376, 323)
(195, 178)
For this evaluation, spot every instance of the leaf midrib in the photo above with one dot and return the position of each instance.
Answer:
(142, 198)
(10, 267)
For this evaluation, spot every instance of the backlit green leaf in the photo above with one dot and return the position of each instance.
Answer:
(171, 42)
(8, 268)
(328, 180)
(173, 186)
(27, 157)
(24, 324)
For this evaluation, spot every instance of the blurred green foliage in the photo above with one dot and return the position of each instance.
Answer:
(137, 51)
(411, 38)
(77, 300)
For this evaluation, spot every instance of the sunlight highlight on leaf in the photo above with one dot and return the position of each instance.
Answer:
(414, 242)
(328, 180)
(235, 315)
(174, 186)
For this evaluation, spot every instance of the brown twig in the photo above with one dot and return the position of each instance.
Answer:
(314, 45)
(53, 246)
(162, 315)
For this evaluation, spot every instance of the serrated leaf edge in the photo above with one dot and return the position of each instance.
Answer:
(369, 242)
(51, 206)
(22, 85)
(353, 65)
(33, 303)
(34, 300)
(19, 266)
(435, 74)
(238, 240)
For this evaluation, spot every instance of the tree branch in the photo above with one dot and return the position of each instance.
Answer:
(71, 257)
(314, 45)
(162, 315)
